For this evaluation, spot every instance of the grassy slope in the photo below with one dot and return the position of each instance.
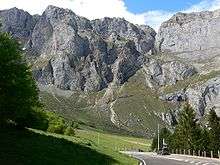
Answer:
(137, 102)
(37, 147)
(80, 108)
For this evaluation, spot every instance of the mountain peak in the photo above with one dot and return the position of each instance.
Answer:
(54, 11)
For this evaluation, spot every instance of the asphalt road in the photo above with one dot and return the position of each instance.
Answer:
(153, 159)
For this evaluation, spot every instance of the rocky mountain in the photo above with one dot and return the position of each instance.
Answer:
(194, 38)
(18, 22)
(76, 54)
(202, 96)
(113, 74)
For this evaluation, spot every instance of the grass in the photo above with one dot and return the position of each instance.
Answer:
(139, 107)
(114, 142)
(24, 147)
(78, 107)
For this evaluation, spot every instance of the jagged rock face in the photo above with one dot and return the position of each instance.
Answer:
(168, 73)
(74, 53)
(175, 97)
(143, 36)
(205, 96)
(201, 97)
(17, 22)
(193, 36)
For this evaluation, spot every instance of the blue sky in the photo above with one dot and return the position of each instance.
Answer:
(150, 12)
(140, 6)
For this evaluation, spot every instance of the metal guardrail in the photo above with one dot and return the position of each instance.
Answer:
(208, 154)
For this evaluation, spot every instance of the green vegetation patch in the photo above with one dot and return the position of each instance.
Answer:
(139, 106)
(86, 147)
(80, 108)
(26, 147)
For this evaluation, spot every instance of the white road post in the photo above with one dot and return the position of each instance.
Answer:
(158, 138)
(98, 138)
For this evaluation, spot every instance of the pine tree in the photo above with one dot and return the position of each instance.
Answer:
(205, 140)
(214, 130)
(187, 134)
(18, 92)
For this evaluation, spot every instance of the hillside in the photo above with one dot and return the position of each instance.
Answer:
(134, 108)
(38, 147)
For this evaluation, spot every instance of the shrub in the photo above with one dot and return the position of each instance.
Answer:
(74, 125)
(56, 124)
(69, 131)
(56, 127)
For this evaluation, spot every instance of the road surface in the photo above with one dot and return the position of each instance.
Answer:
(154, 159)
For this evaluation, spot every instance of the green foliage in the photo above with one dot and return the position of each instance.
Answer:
(69, 131)
(214, 130)
(18, 92)
(25, 147)
(164, 134)
(39, 119)
(187, 134)
(205, 140)
(56, 124)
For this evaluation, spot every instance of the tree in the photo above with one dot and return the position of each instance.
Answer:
(205, 140)
(18, 91)
(187, 134)
(164, 134)
(214, 130)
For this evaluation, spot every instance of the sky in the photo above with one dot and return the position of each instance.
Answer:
(150, 12)
(140, 6)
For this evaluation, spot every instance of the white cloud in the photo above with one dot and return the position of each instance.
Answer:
(204, 5)
(155, 18)
(93, 9)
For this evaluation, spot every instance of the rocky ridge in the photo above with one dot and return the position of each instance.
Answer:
(201, 97)
(193, 38)
(72, 53)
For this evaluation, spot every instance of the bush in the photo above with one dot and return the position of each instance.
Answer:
(74, 125)
(56, 124)
(69, 131)
(56, 128)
